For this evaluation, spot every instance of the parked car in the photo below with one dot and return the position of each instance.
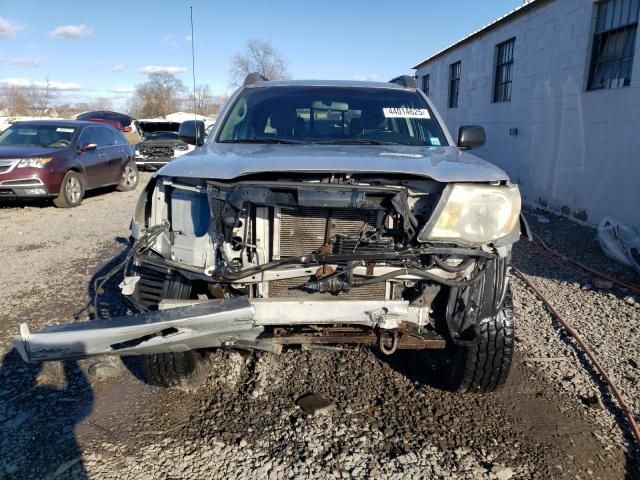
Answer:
(160, 144)
(125, 123)
(63, 159)
(317, 213)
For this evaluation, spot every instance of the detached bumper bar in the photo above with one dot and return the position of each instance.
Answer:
(233, 322)
(178, 329)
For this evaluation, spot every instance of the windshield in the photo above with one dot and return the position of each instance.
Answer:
(50, 136)
(162, 136)
(338, 115)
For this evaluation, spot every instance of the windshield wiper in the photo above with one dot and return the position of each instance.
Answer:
(261, 140)
(355, 141)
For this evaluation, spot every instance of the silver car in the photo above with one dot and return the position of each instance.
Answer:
(322, 214)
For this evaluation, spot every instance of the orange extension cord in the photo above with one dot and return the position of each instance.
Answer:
(561, 257)
(594, 361)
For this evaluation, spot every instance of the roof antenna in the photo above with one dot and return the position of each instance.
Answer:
(193, 71)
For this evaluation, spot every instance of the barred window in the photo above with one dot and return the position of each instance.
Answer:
(504, 64)
(425, 84)
(454, 84)
(613, 44)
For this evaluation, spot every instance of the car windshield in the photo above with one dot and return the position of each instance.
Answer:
(162, 136)
(50, 136)
(331, 115)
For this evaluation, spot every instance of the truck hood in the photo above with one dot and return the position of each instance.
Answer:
(162, 141)
(226, 161)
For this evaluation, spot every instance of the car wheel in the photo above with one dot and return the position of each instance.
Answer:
(129, 178)
(71, 191)
(484, 366)
(185, 370)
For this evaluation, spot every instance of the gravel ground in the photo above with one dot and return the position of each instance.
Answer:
(553, 419)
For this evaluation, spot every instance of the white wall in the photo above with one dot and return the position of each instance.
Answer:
(575, 149)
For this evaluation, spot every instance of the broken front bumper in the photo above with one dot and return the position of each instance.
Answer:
(236, 322)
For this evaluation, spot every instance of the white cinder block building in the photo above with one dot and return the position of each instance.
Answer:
(556, 85)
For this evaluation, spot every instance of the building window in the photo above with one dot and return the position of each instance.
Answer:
(504, 64)
(425, 84)
(454, 84)
(613, 44)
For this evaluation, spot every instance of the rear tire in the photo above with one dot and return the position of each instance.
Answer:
(129, 178)
(483, 367)
(71, 191)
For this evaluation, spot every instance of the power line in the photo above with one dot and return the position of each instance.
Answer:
(193, 71)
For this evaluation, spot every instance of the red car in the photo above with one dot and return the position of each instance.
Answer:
(119, 120)
(62, 159)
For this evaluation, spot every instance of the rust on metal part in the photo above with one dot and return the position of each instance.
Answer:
(337, 337)
(326, 246)
(370, 268)
(325, 271)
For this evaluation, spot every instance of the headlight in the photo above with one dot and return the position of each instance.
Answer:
(473, 214)
(36, 162)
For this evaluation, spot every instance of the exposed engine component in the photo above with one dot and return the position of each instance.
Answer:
(362, 243)
(333, 284)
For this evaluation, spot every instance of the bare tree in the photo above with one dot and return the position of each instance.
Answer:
(261, 57)
(202, 102)
(68, 110)
(159, 96)
(100, 103)
(41, 98)
(205, 102)
(16, 99)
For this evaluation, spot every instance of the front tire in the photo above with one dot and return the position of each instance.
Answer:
(71, 191)
(484, 366)
(129, 179)
(186, 370)
(183, 370)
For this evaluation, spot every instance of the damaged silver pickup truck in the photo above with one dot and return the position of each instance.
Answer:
(322, 214)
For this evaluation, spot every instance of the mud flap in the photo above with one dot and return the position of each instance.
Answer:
(211, 324)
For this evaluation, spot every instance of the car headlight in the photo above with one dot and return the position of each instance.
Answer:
(473, 214)
(36, 162)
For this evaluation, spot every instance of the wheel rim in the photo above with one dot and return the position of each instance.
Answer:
(73, 189)
(129, 176)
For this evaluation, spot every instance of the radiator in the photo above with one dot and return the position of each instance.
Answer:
(302, 230)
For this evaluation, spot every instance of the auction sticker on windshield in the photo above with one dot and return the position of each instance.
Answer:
(404, 112)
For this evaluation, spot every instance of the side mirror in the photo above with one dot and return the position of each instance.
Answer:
(470, 137)
(88, 146)
(192, 132)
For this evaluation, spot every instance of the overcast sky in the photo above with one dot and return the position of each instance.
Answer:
(91, 49)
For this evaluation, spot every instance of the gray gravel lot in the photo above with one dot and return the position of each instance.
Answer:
(554, 418)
